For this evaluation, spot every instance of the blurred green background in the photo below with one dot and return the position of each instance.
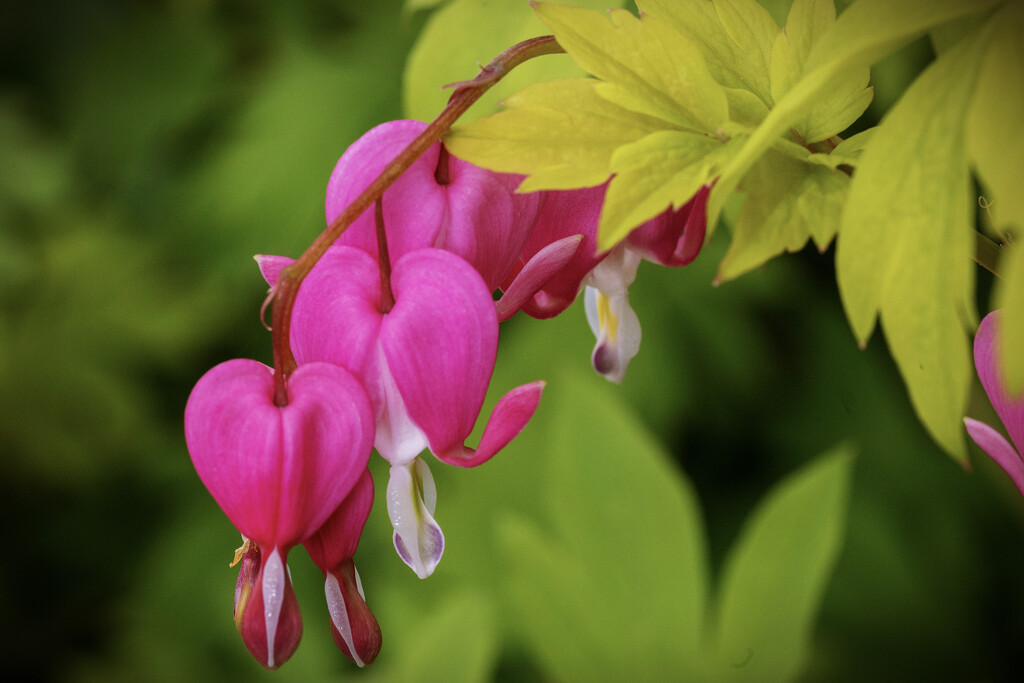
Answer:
(149, 149)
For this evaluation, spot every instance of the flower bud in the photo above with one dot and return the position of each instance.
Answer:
(266, 611)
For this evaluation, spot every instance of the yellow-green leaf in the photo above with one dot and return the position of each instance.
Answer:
(863, 34)
(995, 121)
(1010, 298)
(463, 34)
(560, 133)
(905, 241)
(645, 64)
(664, 168)
(788, 202)
(735, 37)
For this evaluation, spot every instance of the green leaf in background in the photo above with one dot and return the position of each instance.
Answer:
(466, 33)
(621, 591)
(995, 139)
(788, 202)
(866, 32)
(561, 133)
(775, 575)
(735, 36)
(464, 622)
(905, 241)
(645, 65)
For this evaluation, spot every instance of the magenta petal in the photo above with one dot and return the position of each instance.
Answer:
(537, 272)
(337, 315)
(278, 472)
(413, 200)
(675, 237)
(986, 359)
(271, 266)
(564, 213)
(440, 341)
(511, 414)
(336, 541)
(999, 449)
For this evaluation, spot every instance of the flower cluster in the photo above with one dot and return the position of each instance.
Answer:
(394, 334)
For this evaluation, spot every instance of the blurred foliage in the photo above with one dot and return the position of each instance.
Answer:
(149, 149)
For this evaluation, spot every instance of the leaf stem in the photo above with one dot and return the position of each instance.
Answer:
(466, 93)
(987, 253)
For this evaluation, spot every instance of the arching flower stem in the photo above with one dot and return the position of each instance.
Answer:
(466, 93)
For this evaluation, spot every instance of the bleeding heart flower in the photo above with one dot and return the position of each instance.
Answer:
(278, 472)
(1009, 409)
(353, 626)
(426, 364)
(446, 203)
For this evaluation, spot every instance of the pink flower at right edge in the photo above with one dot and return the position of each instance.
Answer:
(1010, 410)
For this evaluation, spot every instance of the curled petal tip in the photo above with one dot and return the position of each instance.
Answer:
(509, 418)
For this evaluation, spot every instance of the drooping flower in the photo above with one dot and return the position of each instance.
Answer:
(1009, 409)
(447, 203)
(353, 626)
(673, 238)
(426, 364)
(278, 472)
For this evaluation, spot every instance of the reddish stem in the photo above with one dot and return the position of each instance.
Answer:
(387, 297)
(441, 173)
(466, 93)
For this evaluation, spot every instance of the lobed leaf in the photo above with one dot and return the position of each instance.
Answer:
(560, 133)
(788, 202)
(646, 65)
(905, 241)
(866, 32)
(663, 169)
(735, 37)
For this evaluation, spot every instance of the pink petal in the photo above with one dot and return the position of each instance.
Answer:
(511, 414)
(336, 541)
(999, 449)
(1009, 409)
(564, 213)
(537, 272)
(675, 237)
(337, 315)
(278, 473)
(405, 202)
(440, 341)
(271, 266)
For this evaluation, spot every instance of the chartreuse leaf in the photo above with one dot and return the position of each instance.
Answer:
(735, 37)
(788, 202)
(465, 33)
(661, 169)
(620, 592)
(847, 96)
(867, 31)
(905, 240)
(646, 65)
(775, 575)
(994, 143)
(561, 133)
(1010, 298)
